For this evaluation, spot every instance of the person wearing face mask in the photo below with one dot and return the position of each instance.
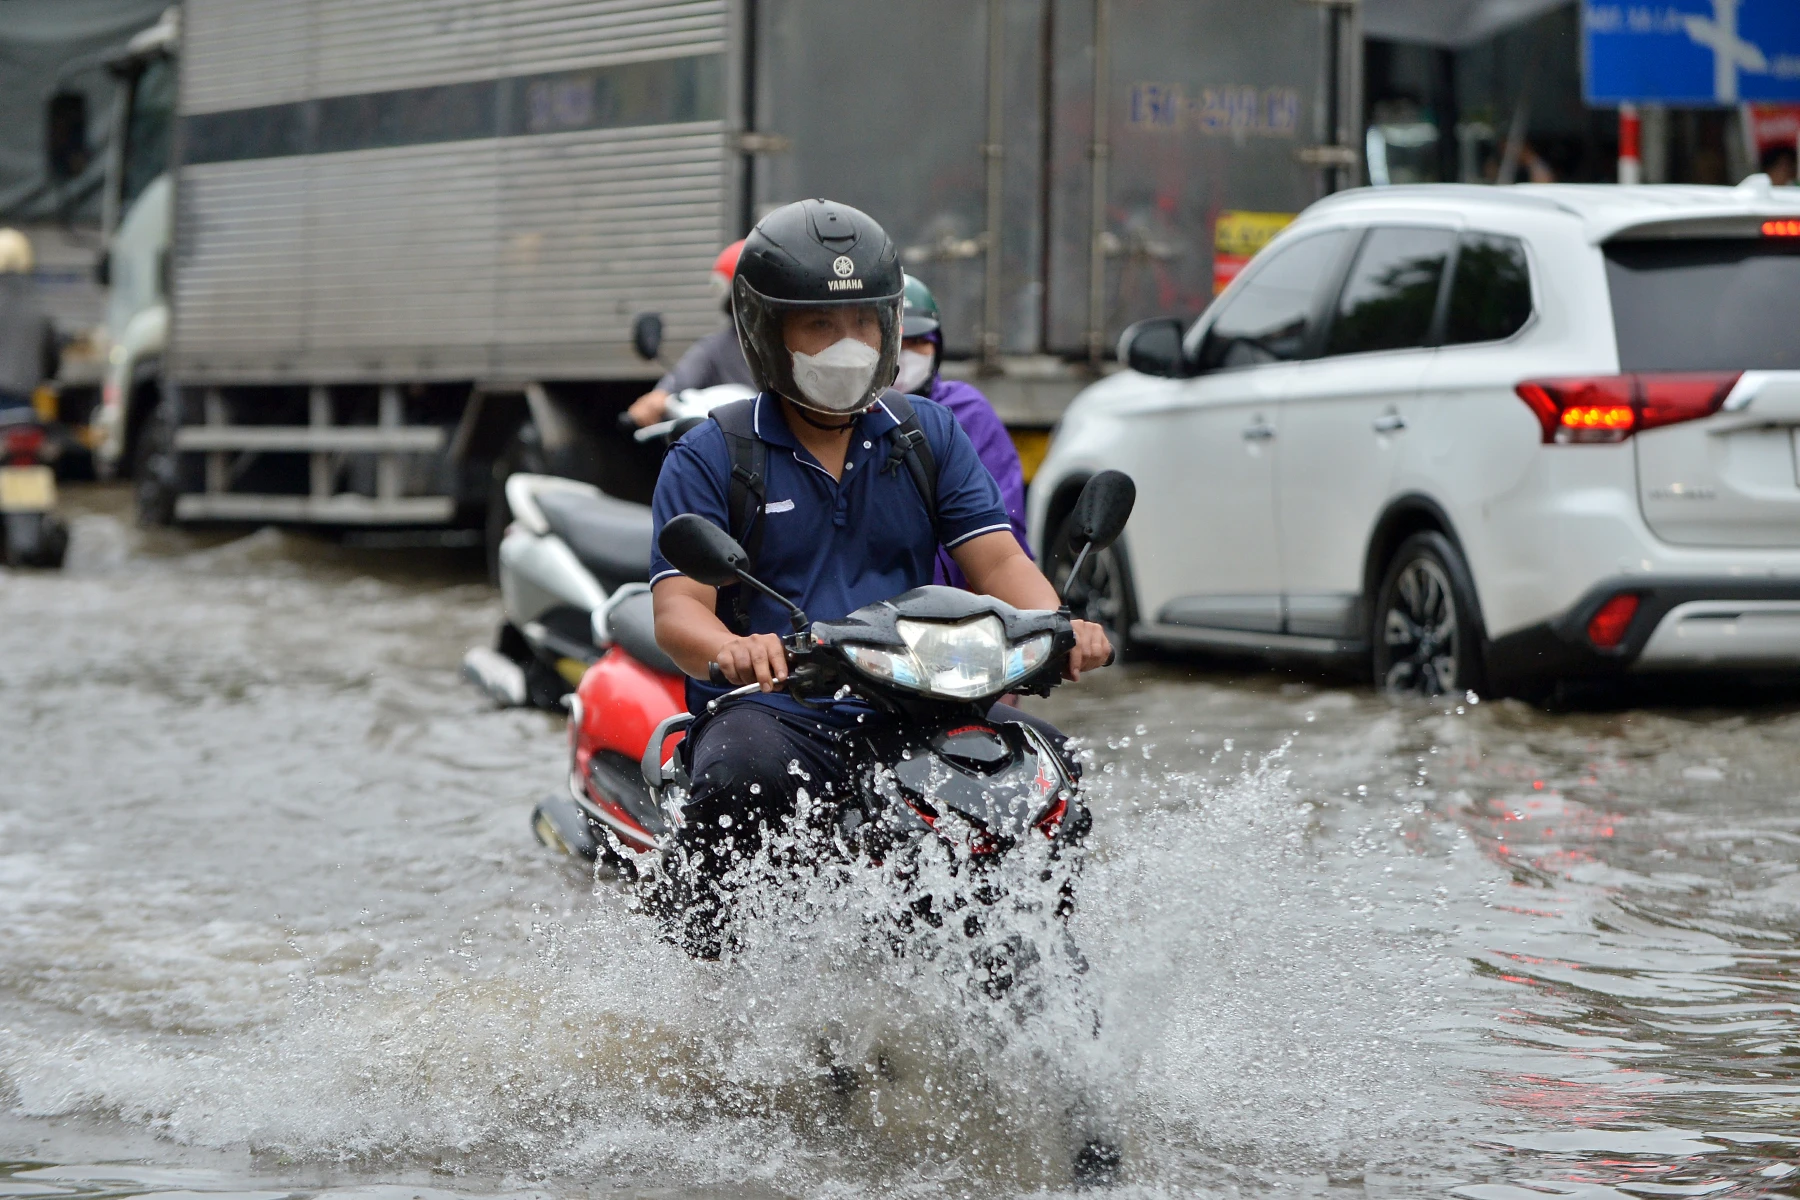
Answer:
(921, 352)
(823, 479)
(714, 359)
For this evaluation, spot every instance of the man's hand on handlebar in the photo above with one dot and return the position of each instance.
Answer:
(648, 408)
(1092, 649)
(759, 658)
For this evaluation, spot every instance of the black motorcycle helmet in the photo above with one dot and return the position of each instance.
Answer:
(810, 254)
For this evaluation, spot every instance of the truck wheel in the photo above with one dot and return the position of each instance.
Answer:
(523, 452)
(156, 468)
(1103, 594)
(1426, 639)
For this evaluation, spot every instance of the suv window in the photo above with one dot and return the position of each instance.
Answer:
(1272, 318)
(1707, 304)
(1391, 296)
(1490, 297)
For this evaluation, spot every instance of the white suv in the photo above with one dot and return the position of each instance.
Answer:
(1475, 437)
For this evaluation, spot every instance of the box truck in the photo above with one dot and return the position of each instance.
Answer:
(366, 259)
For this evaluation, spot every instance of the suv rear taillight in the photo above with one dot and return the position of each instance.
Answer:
(1612, 622)
(1610, 408)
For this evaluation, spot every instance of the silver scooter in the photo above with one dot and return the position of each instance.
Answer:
(571, 554)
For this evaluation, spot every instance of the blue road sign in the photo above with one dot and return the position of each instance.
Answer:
(1693, 52)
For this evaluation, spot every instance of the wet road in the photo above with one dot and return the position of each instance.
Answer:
(272, 924)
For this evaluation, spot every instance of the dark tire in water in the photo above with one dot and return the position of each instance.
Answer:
(1426, 637)
(1103, 594)
(156, 467)
(523, 452)
(34, 539)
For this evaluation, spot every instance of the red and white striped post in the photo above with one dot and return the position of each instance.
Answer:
(1631, 130)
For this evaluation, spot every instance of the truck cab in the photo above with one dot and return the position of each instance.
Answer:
(138, 226)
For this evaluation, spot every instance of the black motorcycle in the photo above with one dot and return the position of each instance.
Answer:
(935, 659)
(940, 773)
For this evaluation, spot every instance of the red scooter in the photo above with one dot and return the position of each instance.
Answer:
(613, 713)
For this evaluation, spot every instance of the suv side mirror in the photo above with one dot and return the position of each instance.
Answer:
(646, 335)
(1153, 347)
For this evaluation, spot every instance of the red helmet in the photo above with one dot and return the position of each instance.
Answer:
(725, 266)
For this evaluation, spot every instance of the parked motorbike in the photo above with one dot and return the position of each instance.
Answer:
(34, 535)
(937, 658)
(569, 549)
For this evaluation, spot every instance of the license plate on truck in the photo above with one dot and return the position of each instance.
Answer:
(27, 489)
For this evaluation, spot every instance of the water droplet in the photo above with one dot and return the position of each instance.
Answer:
(756, 789)
(725, 820)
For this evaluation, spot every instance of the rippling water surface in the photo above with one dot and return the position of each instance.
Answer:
(272, 924)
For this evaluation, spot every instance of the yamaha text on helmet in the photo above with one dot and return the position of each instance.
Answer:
(812, 255)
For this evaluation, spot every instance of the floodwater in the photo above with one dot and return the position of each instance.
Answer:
(272, 924)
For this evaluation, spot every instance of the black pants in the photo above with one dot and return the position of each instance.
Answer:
(748, 763)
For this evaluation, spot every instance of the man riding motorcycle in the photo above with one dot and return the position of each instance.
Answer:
(712, 360)
(921, 353)
(822, 477)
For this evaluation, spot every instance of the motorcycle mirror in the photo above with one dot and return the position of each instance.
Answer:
(66, 136)
(646, 337)
(701, 550)
(1101, 511)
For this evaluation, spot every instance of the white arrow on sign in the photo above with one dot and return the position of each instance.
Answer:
(1731, 53)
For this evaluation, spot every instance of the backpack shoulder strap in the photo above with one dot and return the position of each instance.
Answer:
(749, 491)
(913, 450)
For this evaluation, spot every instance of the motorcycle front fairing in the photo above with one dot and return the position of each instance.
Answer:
(1003, 778)
(944, 755)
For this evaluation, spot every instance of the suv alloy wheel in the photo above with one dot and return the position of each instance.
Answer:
(1427, 632)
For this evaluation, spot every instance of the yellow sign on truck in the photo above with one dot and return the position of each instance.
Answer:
(1237, 236)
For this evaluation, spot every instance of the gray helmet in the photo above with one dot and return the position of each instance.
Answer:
(812, 254)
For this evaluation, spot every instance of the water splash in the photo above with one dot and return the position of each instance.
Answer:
(1215, 991)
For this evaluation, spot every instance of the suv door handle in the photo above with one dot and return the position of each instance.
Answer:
(1262, 431)
(1390, 423)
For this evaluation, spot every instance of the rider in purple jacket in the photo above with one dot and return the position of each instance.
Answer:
(921, 350)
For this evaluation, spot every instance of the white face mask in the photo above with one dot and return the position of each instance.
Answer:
(837, 378)
(915, 369)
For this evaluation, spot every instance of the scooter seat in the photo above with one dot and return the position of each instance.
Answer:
(611, 537)
(632, 623)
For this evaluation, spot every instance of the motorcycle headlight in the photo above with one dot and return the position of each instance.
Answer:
(960, 662)
(1027, 656)
(897, 667)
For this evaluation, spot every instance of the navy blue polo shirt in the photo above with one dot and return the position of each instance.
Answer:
(832, 546)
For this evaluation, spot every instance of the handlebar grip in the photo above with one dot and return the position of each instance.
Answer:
(716, 676)
(626, 423)
(1112, 656)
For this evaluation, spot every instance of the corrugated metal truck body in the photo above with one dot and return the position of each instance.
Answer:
(444, 214)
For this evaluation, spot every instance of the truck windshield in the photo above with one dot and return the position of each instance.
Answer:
(1705, 304)
(147, 132)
